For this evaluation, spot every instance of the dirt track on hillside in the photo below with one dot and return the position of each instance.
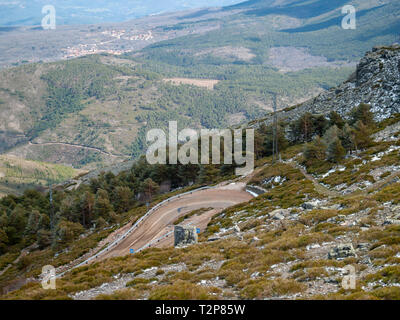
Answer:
(160, 222)
(72, 145)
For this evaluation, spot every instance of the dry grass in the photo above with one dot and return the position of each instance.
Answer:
(261, 289)
(203, 83)
(183, 290)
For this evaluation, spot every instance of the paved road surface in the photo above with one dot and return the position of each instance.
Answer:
(160, 222)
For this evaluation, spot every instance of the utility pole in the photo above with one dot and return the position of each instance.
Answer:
(50, 185)
(273, 139)
(275, 149)
(276, 126)
(51, 207)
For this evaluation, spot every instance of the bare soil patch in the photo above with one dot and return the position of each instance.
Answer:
(204, 83)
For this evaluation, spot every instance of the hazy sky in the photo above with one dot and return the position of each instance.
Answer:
(29, 12)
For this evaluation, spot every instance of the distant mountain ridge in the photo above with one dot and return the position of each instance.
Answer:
(110, 98)
(24, 12)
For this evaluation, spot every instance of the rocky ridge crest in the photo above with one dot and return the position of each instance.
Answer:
(376, 82)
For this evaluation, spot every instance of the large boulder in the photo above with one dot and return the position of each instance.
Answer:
(342, 251)
(309, 205)
(396, 209)
(213, 238)
(279, 214)
(391, 221)
(184, 236)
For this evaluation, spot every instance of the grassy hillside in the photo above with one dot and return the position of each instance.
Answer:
(17, 175)
(108, 103)
(286, 246)
(315, 25)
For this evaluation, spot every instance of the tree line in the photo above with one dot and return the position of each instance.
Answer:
(106, 199)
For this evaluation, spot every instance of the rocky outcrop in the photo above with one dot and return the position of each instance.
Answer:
(184, 236)
(376, 82)
(279, 214)
(342, 251)
(387, 134)
(255, 190)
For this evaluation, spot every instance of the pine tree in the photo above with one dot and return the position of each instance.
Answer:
(347, 137)
(3, 241)
(363, 113)
(33, 222)
(66, 231)
(320, 124)
(259, 144)
(303, 128)
(149, 188)
(314, 152)
(207, 173)
(187, 174)
(283, 143)
(87, 205)
(336, 119)
(362, 136)
(102, 206)
(16, 224)
(306, 124)
(331, 135)
(44, 238)
(335, 151)
(123, 198)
